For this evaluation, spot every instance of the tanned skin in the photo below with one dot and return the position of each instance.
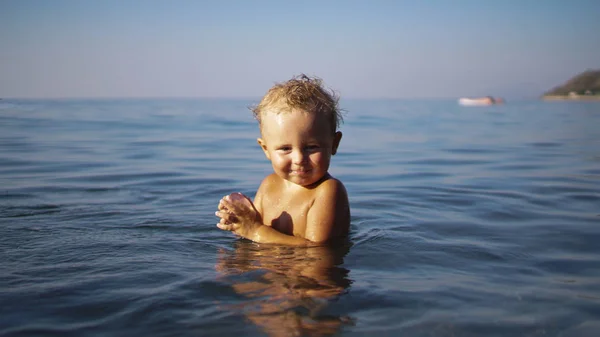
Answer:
(300, 203)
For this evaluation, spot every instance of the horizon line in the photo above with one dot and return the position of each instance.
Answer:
(366, 98)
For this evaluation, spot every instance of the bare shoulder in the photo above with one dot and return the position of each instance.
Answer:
(269, 182)
(332, 194)
(329, 215)
(332, 187)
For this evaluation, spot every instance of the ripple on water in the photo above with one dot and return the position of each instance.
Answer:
(27, 211)
(459, 227)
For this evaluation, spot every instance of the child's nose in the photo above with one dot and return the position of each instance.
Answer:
(299, 157)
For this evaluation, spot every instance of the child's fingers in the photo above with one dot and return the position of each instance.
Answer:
(228, 226)
(241, 204)
(226, 216)
(225, 227)
(226, 203)
(222, 206)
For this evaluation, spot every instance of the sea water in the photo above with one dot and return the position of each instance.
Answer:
(466, 221)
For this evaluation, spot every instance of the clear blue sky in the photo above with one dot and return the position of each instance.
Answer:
(227, 48)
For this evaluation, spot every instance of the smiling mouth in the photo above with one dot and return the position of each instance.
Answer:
(300, 172)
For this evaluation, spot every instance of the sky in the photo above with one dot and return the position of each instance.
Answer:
(238, 49)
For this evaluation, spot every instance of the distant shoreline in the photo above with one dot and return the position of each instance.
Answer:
(571, 98)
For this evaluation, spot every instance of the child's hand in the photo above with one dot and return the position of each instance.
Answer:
(238, 215)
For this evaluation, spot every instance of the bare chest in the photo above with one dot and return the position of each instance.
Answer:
(286, 215)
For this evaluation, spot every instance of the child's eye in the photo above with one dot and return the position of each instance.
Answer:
(313, 147)
(285, 148)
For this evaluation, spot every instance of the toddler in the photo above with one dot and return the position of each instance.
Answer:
(300, 203)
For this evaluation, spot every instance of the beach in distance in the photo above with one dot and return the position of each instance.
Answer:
(466, 221)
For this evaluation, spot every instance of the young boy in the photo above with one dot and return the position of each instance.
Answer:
(300, 203)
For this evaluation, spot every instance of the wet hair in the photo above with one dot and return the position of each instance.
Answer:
(301, 93)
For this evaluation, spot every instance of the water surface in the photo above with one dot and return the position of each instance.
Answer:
(466, 221)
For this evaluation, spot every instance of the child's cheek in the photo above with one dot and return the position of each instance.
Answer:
(276, 162)
(316, 157)
(282, 159)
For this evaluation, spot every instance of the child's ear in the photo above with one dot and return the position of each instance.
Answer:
(336, 142)
(263, 146)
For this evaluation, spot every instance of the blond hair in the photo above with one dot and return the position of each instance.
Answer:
(301, 93)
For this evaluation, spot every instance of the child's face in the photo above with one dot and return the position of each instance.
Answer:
(299, 145)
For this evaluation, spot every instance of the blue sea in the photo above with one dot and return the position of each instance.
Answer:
(466, 221)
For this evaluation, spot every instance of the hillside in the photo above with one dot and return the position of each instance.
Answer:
(586, 83)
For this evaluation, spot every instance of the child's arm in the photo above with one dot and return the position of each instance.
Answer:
(242, 218)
